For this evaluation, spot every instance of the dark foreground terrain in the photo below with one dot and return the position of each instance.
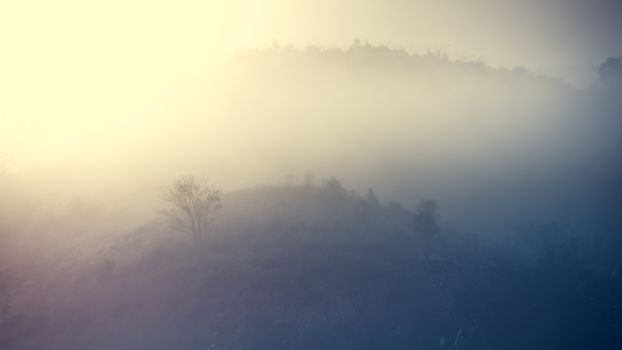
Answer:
(317, 267)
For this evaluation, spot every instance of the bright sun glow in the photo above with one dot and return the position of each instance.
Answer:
(82, 76)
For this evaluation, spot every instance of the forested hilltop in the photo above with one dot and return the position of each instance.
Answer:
(308, 266)
(311, 175)
(501, 142)
(479, 210)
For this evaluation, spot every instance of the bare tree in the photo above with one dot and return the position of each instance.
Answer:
(192, 202)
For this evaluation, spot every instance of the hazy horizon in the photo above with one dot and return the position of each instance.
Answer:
(84, 78)
(304, 175)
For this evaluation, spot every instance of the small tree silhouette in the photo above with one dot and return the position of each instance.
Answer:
(425, 219)
(372, 199)
(333, 184)
(192, 203)
(611, 72)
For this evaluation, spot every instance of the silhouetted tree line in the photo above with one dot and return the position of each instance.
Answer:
(308, 266)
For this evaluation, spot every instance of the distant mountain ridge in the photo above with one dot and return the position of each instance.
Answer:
(388, 57)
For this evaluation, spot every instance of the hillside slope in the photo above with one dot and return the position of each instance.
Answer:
(310, 267)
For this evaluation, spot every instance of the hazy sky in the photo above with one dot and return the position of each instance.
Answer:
(88, 74)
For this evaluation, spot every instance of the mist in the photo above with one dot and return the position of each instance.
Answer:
(484, 141)
(294, 175)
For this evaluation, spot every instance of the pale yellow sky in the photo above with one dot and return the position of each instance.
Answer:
(104, 75)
